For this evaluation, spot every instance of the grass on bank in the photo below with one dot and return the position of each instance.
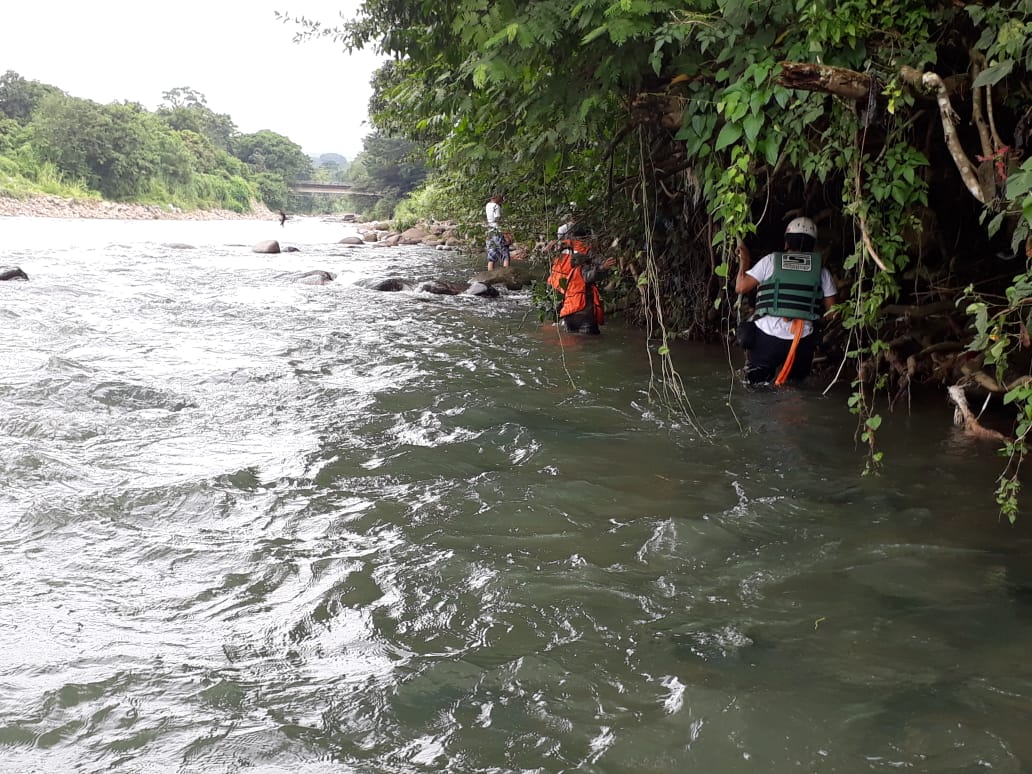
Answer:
(41, 180)
(19, 180)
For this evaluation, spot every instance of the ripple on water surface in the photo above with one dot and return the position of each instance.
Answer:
(255, 524)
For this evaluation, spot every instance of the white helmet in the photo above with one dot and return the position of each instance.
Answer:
(802, 226)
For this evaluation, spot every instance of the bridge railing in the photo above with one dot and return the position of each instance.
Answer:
(331, 189)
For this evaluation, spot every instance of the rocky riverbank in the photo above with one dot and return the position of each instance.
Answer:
(61, 207)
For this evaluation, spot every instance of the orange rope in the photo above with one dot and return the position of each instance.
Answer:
(797, 330)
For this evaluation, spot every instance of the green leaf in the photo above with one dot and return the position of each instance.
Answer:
(1019, 184)
(721, 270)
(729, 134)
(752, 125)
(686, 132)
(993, 75)
(994, 225)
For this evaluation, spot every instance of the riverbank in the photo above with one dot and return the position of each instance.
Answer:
(62, 207)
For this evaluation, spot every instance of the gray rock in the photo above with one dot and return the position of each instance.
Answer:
(268, 246)
(482, 289)
(389, 285)
(443, 288)
(317, 277)
(12, 273)
(513, 277)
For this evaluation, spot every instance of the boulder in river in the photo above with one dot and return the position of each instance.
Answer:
(444, 288)
(12, 273)
(482, 289)
(513, 277)
(268, 246)
(317, 277)
(389, 285)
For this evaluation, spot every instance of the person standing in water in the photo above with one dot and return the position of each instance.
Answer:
(497, 241)
(576, 272)
(793, 290)
(282, 217)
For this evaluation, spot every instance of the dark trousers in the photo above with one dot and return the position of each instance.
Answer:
(582, 322)
(768, 356)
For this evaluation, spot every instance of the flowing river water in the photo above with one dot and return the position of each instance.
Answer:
(254, 525)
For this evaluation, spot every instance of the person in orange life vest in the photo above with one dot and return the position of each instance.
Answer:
(794, 290)
(575, 274)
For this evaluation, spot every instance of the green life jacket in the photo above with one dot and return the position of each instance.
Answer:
(794, 290)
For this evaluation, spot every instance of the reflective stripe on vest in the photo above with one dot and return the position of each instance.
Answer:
(794, 289)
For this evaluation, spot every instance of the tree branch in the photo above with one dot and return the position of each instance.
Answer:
(808, 76)
(932, 82)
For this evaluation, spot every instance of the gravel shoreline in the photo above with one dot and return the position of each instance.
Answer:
(61, 207)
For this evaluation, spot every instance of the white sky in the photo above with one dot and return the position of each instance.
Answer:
(234, 52)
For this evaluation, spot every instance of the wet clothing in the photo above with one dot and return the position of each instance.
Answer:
(768, 355)
(794, 288)
(497, 244)
(575, 276)
(497, 249)
(779, 326)
(774, 334)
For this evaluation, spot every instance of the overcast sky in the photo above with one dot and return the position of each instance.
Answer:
(234, 52)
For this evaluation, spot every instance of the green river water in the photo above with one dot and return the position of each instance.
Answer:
(254, 525)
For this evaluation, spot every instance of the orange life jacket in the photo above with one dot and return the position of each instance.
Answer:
(575, 292)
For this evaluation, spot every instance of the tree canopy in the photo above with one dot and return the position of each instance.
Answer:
(183, 153)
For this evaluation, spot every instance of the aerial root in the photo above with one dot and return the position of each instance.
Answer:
(965, 418)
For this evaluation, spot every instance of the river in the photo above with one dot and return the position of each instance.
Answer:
(251, 524)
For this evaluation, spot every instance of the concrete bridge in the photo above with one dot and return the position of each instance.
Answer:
(330, 189)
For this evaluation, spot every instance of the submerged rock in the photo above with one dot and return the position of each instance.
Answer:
(12, 273)
(317, 277)
(513, 277)
(443, 288)
(389, 285)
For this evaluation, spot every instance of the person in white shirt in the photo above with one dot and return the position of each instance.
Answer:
(794, 289)
(497, 241)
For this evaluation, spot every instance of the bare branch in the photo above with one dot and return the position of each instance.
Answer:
(932, 82)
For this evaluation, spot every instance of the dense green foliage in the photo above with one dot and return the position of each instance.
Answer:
(676, 126)
(184, 154)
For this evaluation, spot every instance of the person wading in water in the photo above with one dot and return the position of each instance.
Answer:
(575, 273)
(793, 290)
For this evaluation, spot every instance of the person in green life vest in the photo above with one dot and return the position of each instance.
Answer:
(793, 290)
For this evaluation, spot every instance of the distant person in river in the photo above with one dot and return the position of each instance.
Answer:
(498, 241)
(576, 272)
(793, 290)
(282, 217)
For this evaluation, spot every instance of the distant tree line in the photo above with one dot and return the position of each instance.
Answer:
(183, 154)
